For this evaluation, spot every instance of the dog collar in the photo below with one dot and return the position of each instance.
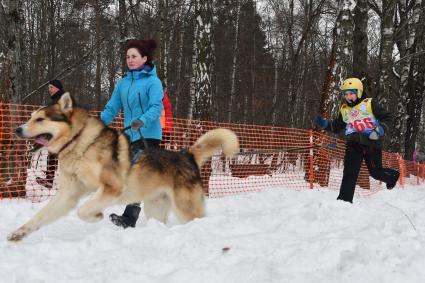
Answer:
(73, 139)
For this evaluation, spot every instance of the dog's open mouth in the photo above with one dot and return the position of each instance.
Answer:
(43, 139)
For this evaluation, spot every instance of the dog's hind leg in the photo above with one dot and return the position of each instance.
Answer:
(188, 203)
(62, 202)
(158, 208)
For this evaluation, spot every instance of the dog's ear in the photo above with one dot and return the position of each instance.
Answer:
(66, 103)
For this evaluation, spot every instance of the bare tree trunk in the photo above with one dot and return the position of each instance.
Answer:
(40, 61)
(293, 65)
(52, 39)
(345, 42)
(12, 17)
(405, 43)
(163, 10)
(417, 86)
(31, 42)
(193, 87)
(420, 140)
(275, 87)
(12, 43)
(179, 69)
(201, 91)
(122, 22)
(249, 111)
(234, 64)
(360, 40)
(98, 79)
(112, 61)
(183, 16)
(341, 62)
(329, 96)
(385, 80)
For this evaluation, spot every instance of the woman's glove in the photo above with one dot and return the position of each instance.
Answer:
(136, 125)
(376, 133)
(319, 121)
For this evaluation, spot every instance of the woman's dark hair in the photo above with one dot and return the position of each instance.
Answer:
(145, 48)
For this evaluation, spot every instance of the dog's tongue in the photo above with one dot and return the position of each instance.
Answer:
(42, 140)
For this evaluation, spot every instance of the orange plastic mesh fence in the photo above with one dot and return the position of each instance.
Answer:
(269, 157)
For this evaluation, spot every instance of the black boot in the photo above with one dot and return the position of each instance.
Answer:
(128, 218)
(391, 185)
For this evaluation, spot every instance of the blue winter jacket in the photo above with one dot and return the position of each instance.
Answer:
(140, 95)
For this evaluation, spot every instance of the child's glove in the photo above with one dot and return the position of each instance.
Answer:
(376, 133)
(318, 120)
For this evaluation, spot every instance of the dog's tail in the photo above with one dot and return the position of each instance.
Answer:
(212, 141)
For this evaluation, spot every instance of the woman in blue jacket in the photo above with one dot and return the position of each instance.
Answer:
(139, 94)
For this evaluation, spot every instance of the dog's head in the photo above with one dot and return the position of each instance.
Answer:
(49, 124)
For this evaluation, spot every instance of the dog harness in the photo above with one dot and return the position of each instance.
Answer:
(71, 141)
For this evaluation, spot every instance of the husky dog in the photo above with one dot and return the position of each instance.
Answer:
(95, 158)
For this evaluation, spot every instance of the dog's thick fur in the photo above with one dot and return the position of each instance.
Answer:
(95, 158)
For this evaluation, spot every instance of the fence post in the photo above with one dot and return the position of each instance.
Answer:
(418, 172)
(311, 160)
(402, 171)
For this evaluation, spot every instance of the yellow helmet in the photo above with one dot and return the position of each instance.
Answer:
(353, 83)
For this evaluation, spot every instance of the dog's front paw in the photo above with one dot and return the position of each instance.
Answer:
(18, 234)
(90, 217)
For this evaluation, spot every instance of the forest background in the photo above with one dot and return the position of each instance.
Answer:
(265, 62)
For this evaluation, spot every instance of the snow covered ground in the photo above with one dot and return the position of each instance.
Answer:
(278, 235)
